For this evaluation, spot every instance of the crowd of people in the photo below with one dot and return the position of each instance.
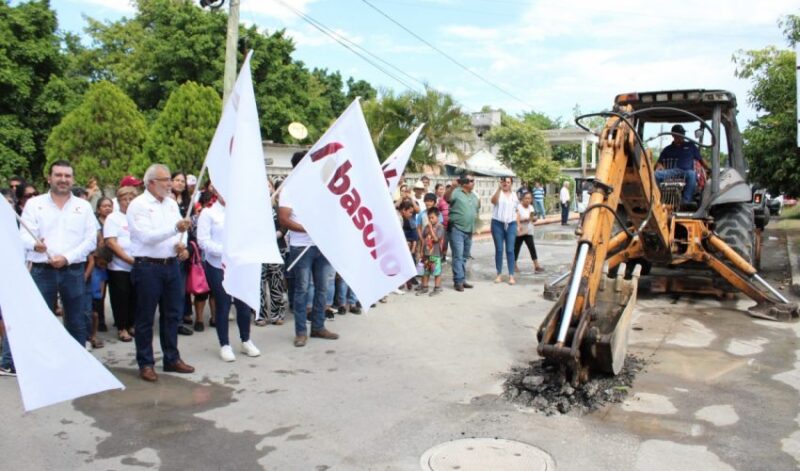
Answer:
(156, 248)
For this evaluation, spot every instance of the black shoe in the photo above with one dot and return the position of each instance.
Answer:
(183, 330)
(356, 310)
(330, 314)
(341, 310)
(199, 327)
(459, 287)
(211, 323)
(188, 320)
(467, 285)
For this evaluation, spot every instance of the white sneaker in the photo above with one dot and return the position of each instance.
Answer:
(226, 353)
(249, 349)
(88, 346)
(398, 291)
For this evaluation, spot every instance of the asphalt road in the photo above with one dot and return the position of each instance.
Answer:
(719, 390)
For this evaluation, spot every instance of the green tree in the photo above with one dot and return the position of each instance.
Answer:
(447, 127)
(390, 121)
(34, 93)
(100, 136)
(524, 149)
(362, 88)
(180, 136)
(770, 139)
(169, 42)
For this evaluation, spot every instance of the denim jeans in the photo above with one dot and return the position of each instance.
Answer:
(538, 206)
(87, 305)
(157, 286)
(689, 176)
(311, 265)
(68, 283)
(564, 212)
(330, 293)
(223, 301)
(345, 295)
(504, 235)
(6, 361)
(461, 246)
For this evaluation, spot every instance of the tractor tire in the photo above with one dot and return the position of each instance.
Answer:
(735, 225)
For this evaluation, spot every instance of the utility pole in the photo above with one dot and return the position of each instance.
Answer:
(231, 44)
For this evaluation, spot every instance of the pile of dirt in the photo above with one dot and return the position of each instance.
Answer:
(538, 386)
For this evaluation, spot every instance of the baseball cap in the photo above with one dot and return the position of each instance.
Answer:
(419, 185)
(129, 180)
(191, 180)
(678, 129)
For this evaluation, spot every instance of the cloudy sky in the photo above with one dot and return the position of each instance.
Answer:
(542, 55)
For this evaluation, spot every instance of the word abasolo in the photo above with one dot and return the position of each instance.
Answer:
(360, 215)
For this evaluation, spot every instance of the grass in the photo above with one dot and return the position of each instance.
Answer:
(791, 213)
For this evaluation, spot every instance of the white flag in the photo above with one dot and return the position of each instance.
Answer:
(343, 188)
(51, 366)
(236, 165)
(394, 166)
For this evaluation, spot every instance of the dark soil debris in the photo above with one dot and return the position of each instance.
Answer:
(538, 386)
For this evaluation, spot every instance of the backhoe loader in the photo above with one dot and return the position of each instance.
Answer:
(634, 227)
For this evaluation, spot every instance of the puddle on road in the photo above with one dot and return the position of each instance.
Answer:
(162, 416)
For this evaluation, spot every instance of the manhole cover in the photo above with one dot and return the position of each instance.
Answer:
(486, 453)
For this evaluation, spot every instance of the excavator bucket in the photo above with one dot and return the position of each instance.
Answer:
(607, 338)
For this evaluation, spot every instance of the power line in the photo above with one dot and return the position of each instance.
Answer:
(450, 58)
(346, 43)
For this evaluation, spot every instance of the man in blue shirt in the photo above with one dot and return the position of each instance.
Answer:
(677, 160)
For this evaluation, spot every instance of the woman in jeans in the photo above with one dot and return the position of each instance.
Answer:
(504, 227)
(210, 236)
(118, 239)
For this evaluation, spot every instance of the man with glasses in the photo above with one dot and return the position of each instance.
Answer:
(66, 233)
(156, 229)
(464, 207)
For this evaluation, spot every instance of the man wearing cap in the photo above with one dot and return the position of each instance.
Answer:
(66, 233)
(156, 229)
(464, 208)
(677, 160)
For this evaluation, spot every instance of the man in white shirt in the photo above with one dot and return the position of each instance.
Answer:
(563, 197)
(156, 229)
(310, 264)
(66, 229)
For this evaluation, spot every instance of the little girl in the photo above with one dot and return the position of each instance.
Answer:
(526, 216)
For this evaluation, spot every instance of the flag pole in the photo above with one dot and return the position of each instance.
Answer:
(294, 262)
(27, 228)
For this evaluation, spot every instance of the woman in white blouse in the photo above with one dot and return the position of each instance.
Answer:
(210, 235)
(118, 238)
(504, 227)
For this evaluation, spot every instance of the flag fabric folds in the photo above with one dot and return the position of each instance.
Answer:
(235, 163)
(340, 198)
(394, 166)
(51, 366)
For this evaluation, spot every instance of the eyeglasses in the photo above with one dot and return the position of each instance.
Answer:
(164, 179)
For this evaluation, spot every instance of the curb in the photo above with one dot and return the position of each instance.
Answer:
(793, 263)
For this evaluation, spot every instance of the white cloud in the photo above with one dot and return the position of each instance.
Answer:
(578, 51)
(122, 6)
(309, 36)
(275, 9)
(472, 32)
